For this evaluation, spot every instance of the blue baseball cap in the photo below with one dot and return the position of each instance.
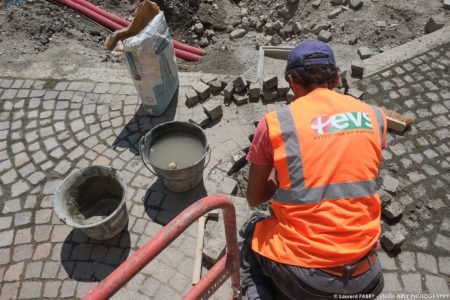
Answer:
(309, 53)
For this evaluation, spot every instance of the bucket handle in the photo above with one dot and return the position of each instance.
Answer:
(141, 153)
(148, 165)
(208, 149)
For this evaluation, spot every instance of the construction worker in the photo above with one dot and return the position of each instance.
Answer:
(317, 159)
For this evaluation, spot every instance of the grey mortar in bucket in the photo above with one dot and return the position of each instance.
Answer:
(92, 200)
(183, 149)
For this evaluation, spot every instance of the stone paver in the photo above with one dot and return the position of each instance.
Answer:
(51, 128)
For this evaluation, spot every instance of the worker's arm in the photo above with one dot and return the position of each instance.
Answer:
(262, 184)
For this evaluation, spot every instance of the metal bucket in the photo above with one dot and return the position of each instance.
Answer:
(182, 179)
(92, 200)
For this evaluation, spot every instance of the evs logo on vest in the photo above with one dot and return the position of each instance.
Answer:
(340, 122)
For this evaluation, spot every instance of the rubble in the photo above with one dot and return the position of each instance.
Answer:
(334, 13)
(337, 2)
(209, 33)
(446, 4)
(392, 240)
(277, 25)
(198, 28)
(319, 27)
(353, 40)
(325, 36)
(268, 28)
(284, 12)
(245, 23)
(204, 42)
(276, 40)
(316, 3)
(357, 68)
(203, 90)
(297, 27)
(356, 4)
(288, 28)
(237, 33)
(364, 52)
(381, 24)
(435, 22)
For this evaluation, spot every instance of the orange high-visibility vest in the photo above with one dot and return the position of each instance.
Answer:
(327, 150)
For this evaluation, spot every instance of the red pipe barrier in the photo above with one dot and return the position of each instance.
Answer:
(189, 56)
(226, 267)
(102, 12)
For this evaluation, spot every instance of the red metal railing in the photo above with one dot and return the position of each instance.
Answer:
(227, 266)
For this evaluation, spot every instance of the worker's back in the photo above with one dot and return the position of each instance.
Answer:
(327, 149)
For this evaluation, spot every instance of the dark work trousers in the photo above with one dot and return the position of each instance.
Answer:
(265, 279)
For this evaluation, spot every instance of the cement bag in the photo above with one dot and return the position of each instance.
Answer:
(151, 62)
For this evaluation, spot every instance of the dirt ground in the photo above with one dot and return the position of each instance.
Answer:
(32, 27)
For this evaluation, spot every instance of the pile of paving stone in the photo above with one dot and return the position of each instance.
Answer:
(238, 91)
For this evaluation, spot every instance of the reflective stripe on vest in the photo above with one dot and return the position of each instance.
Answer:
(298, 193)
(380, 120)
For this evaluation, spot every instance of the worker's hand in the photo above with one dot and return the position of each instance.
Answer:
(260, 188)
(274, 177)
(272, 183)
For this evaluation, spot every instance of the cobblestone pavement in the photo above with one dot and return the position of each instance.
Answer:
(416, 170)
(50, 128)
